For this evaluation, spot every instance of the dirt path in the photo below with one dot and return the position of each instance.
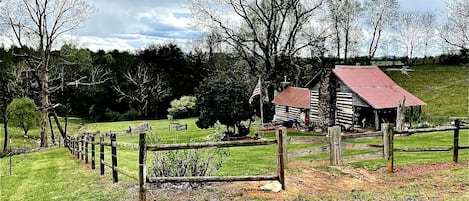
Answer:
(422, 182)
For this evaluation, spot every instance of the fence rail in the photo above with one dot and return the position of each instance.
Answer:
(78, 146)
(144, 148)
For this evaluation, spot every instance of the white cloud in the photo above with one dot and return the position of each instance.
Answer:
(125, 24)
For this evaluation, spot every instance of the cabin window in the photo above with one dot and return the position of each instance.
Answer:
(286, 109)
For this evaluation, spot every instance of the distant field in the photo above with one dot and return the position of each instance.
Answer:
(445, 89)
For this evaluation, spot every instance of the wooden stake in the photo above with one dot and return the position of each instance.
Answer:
(82, 147)
(282, 155)
(86, 148)
(388, 142)
(142, 155)
(335, 145)
(114, 158)
(93, 154)
(456, 141)
(101, 154)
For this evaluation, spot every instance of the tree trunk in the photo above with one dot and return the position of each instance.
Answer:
(346, 46)
(44, 100)
(59, 126)
(5, 126)
(51, 130)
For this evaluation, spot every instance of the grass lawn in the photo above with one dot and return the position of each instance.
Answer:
(64, 177)
(423, 140)
(53, 174)
(445, 89)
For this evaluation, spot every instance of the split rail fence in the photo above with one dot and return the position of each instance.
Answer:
(79, 147)
(335, 144)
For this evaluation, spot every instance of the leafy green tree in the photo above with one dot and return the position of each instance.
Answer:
(22, 112)
(182, 108)
(224, 98)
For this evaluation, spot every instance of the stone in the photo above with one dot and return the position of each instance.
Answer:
(274, 186)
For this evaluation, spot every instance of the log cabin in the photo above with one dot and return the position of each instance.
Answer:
(364, 97)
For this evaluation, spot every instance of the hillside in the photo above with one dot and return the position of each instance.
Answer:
(445, 89)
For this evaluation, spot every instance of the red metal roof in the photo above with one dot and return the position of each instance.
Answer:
(294, 97)
(375, 87)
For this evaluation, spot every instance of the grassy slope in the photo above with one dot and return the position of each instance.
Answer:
(53, 175)
(445, 89)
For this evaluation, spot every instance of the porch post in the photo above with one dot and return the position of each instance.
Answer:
(376, 119)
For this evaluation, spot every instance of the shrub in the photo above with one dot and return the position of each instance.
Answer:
(184, 163)
(182, 108)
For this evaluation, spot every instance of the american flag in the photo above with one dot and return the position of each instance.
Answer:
(256, 91)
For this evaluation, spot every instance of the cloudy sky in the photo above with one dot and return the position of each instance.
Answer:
(129, 25)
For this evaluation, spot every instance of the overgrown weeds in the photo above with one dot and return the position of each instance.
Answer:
(187, 163)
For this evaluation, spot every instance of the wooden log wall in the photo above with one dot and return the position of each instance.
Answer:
(314, 112)
(344, 109)
(292, 114)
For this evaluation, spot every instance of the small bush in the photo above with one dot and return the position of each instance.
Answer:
(184, 163)
(182, 108)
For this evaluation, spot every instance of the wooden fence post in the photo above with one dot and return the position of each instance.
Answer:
(77, 148)
(82, 147)
(388, 145)
(114, 158)
(456, 141)
(335, 145)
(142, 160)
(93, 154)
(384, 129)
(70, 144)
(86, 148)
(101, 154)
(281, 135)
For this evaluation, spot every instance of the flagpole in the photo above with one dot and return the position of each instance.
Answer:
(262, 110)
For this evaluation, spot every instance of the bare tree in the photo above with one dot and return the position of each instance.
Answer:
(409, 32)
(380, 14)
(430, 30)
(142, 87)
(455, 31)
(39, 24)
(266, 33)
(344, 15)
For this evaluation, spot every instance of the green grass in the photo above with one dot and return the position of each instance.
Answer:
(47, 169)
(445, 89)
(54, 175)
(424, 140)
